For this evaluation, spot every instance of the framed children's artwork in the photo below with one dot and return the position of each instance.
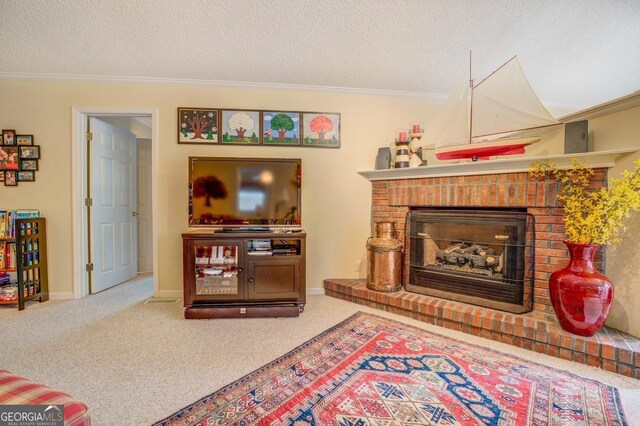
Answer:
(8, 137)
(198, 125)
(219, 126)
(240, 127)
(31, 152)
(10, 178)
(29, 165)
(321, 130)
(9, 158)
(281, 128)
(24, 139)
(26, 176)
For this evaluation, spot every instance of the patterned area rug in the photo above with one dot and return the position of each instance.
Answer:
(370, 370)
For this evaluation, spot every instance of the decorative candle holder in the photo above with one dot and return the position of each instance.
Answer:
(402, 151)
(414, 146)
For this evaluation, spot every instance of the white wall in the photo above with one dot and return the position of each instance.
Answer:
(622, 130)
(130, 124)
(336, 200)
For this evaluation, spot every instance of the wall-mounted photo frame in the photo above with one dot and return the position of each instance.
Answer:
(29, 165)
(321, 130)
(281, 128)
(8, 137)
(9, 157)
(24, 139)
(241, 127)
(24, 176)
(31, 152)
(10, 178)
(198, 126)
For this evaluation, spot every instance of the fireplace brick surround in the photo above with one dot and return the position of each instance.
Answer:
(537, 330)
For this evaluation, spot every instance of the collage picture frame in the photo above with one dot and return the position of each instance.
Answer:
(19, 158)
(220, 126)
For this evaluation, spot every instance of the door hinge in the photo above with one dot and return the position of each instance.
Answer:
(89, 136)
(88, 201)
(89, 267)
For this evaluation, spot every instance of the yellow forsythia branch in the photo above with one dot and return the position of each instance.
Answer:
(592, 216)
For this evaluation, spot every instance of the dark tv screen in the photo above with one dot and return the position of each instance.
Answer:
(244, 192)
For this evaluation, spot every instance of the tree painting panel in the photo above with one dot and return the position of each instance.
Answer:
(281, 128)
(196, 125)
(241, 127)
(321, 129)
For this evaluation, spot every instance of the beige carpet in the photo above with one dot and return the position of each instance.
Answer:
(136, 363)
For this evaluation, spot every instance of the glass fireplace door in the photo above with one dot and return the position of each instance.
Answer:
(472, 256)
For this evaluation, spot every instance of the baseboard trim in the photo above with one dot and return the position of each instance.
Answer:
(67, 295)
(315, 291)
(170, 293)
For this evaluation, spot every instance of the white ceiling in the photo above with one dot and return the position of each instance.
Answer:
(575, 53)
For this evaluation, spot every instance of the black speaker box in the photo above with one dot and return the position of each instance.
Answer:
(576, 137)
(383, 159)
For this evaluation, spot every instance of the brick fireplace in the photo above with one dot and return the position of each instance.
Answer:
(393, 199)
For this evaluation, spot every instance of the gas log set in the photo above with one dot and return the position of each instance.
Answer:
(472, 258)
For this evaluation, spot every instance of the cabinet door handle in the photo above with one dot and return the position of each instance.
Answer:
(251, 280)
(239, 270)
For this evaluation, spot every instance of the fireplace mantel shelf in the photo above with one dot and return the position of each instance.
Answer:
(484, 167)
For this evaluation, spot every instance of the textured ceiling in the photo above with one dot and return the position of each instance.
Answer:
(575, 53)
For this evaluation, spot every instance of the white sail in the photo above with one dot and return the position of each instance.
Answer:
(450, 126)
(505, 102)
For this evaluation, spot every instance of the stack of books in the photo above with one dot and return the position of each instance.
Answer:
(260, 248)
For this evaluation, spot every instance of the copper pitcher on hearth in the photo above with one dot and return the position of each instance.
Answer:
(384, 259)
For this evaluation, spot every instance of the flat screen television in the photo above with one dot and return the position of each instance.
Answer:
(244, 192)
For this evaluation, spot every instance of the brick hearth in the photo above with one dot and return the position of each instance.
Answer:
(537, 330)
(609, 349)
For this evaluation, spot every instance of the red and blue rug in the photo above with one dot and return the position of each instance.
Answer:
(370, 370)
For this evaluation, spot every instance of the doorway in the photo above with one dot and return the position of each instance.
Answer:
(99, 246)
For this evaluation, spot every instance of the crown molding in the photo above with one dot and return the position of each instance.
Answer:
(217, 83)
(606, 108)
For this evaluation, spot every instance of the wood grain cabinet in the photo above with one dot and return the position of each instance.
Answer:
(243, 274)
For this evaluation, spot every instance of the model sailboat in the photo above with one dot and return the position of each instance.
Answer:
(498, 116)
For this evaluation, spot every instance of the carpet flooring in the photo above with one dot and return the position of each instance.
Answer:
(370, 370)
(134, 363)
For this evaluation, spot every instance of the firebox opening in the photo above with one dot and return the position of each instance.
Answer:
(473, 255)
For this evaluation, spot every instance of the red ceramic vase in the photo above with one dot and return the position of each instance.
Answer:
(581, 296)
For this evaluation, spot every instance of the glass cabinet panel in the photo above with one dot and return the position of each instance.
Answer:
(216, 269)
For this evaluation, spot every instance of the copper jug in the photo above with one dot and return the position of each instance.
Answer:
(384, 255)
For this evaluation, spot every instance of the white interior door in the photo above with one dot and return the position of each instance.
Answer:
(114, 234)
